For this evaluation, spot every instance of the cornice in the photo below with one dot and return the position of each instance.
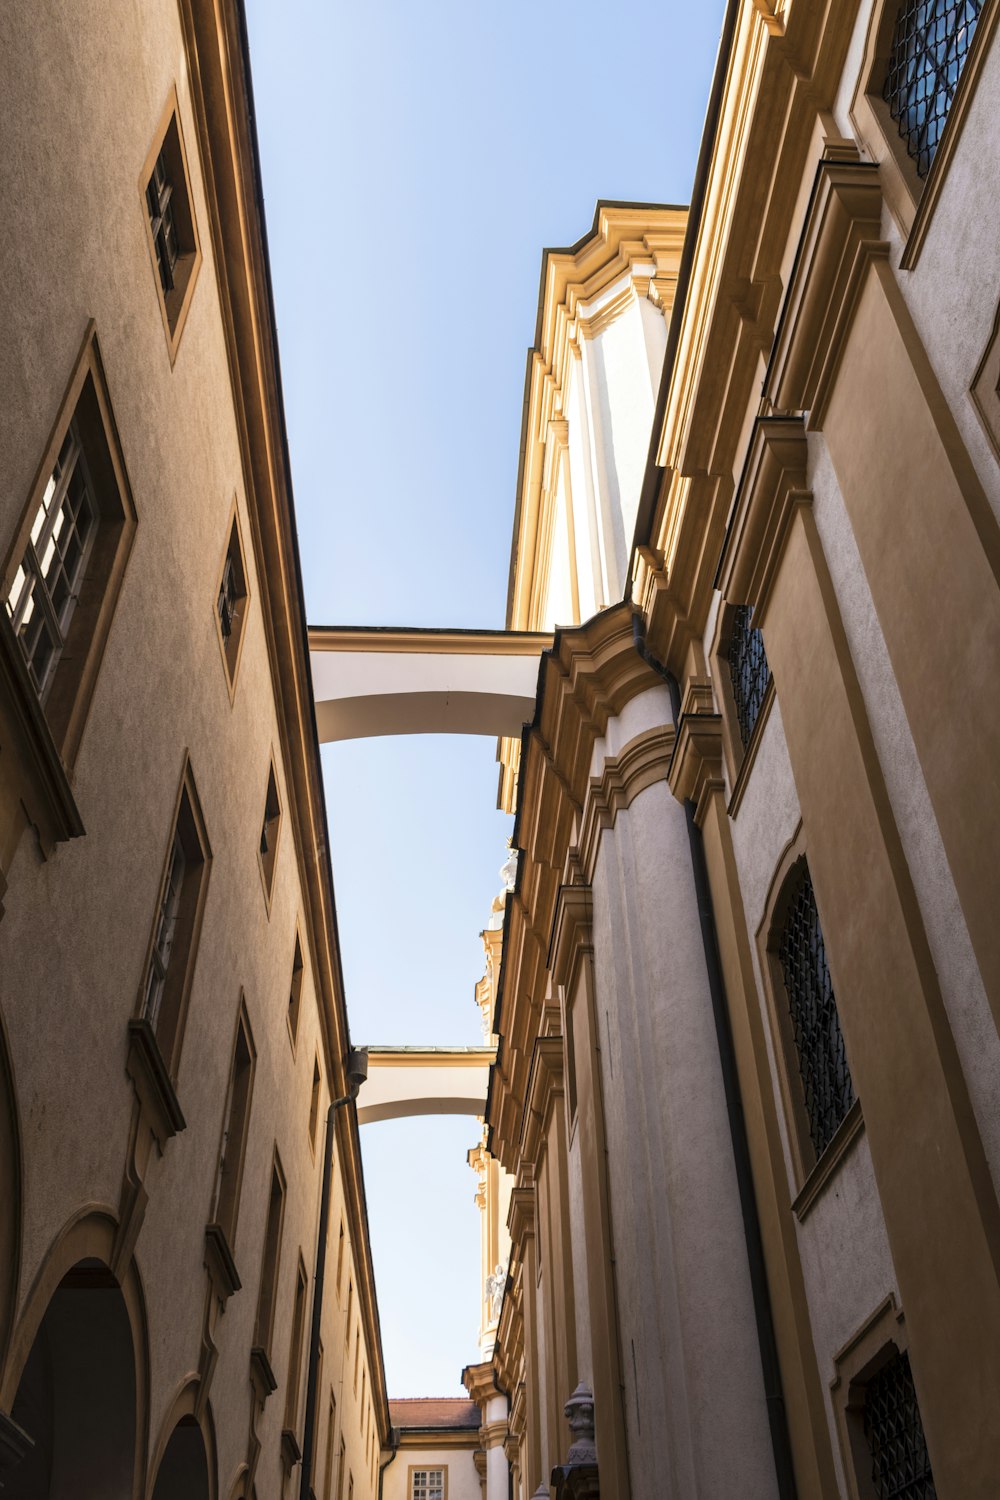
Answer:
(840, 237)
(481, 1382)
(774, 482)
(400, 641)
(696, 771)
(521, 1215)
(572, 932)
(545, 1089)
(438, 1437)
(640, 764)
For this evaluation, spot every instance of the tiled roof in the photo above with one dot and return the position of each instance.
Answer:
(434, 1411)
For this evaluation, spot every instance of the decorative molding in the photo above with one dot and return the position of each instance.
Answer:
(641, 763)
(773, 484)
(696, 768)
(220, 1263)
(545, 1089)
(840, 238)
(262, 1376)
(291, 1452)
(572, 932)
(826, 1168)
(148, 1071)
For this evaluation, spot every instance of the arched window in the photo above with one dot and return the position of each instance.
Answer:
(930, 45)
(748, 669)
(826, 1079)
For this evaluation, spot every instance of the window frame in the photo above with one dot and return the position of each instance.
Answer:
(86, 402)
(225, 1215)
(810, 1174)
(232, 652)
(293, 1013)
(179, 975)
(911, 199)
(270, 1264)
(874, 1343)
(414, 1469)
(739, 758)
(267, 859)
(174, 313)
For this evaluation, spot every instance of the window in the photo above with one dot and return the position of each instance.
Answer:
(340, 1470)
(173, 944)
(315, 1431)
(234, 1136)
(314, 1103)
(170, 225)
(269, 834)
(295, 995)
(63, 573)
(748, 671)
(900, 1468)
(331, 1432)
(270, 1261)
(231, 602)
(930, 45)
(295, 1349)
(357, 1355)
(827, 1088)
(340, 1257)
(350, 1487)
(427, 1484)
(350, 1309)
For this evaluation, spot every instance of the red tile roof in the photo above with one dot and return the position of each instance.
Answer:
(434, 1411)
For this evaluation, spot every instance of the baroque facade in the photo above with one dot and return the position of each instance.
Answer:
(740, 1156)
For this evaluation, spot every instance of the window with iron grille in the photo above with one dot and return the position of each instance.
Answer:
(748, 670)
(427, 1484)
(827, 1088)
(46, 585)
(901, 1469)
(930, 46)
(159, 193)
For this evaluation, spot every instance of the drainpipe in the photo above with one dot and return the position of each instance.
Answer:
(773, 1396)
(394, 1441)
(357, 1072)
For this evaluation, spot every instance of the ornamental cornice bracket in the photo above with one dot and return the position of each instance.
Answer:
(773, 484)
(572, 932)
(840, 239)
(521, 1215)
(545, 1088)
(696, 769)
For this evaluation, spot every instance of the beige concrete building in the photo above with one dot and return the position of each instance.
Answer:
(740, 1156)
(172, 1021)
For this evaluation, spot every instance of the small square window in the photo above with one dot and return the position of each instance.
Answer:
(170, 224)
(64, 570)
(314, 1103)
(269, 834)
(428, 1484)
(231, 602)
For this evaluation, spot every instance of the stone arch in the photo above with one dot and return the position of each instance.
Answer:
(10, 1178)
(184, 1466)
(76, 1377)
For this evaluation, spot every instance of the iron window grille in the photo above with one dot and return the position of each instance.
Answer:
(930, 46)
(748, 669)
(229, 599)
(166, 928)
(826, 1078)
(901, 1469)
(46, 586)
(159, 196)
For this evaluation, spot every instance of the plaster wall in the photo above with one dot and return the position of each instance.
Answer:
(74, 934)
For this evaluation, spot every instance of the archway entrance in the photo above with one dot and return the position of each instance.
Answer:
(183, 1471)
(77, 1396)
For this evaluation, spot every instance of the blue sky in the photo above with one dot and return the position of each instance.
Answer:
(417, 158)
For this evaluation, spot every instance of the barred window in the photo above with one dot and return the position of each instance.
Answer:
(46, 586)
(901, 1469)
(428, 1484)
(170, 226)
(930, 46)
(748, 669)
(231, 601)
(826, 1079)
